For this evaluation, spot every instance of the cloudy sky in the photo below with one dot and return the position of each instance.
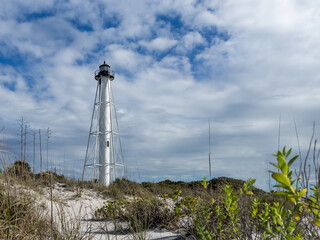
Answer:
(178, 63)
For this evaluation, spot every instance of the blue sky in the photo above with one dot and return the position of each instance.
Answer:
(178, 63)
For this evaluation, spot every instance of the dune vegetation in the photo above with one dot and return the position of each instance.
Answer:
(218, 208)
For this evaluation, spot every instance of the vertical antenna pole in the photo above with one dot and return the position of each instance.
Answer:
(34, 151)
(279, 132)
(21, 136)
(40, 151)
(209, 150)
(25, 142)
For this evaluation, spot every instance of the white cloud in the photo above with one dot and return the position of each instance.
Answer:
(121, 57)
(17, 7)
(206, 18)
(192, 39)
(159, 44)
(267, 66)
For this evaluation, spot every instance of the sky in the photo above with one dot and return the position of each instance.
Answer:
(246, 66)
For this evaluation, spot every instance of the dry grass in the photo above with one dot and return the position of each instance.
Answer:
(20, 216)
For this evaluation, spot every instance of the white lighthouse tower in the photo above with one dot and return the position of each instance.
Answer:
(104, 150)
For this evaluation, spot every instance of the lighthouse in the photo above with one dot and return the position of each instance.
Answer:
(104, 151)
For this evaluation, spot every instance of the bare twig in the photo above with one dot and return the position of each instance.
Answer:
(300, 157)
(279, 133)
(306, 175)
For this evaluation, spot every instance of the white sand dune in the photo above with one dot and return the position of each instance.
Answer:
(73, 213)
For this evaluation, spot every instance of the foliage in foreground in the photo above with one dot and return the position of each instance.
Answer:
(233, 215)
(20, 218)
(210, 210)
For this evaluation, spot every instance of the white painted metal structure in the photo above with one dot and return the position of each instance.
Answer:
(104, 150)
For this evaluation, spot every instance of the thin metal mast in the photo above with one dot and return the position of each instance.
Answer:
(209, 150)
(34, 151)
(40, 151)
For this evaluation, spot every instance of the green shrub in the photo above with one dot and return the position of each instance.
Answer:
(241, 216)
(19, 169)
(140, 214)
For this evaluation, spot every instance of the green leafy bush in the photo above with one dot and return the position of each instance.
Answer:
(140, 214)
(240, 216)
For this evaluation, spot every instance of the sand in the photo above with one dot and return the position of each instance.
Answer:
(73, 213)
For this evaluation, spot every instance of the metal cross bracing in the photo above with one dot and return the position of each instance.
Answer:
(104, 159)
